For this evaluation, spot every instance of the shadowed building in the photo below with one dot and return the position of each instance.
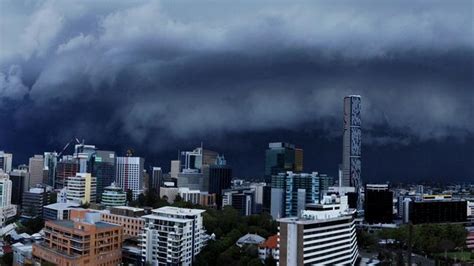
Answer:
(378, 204)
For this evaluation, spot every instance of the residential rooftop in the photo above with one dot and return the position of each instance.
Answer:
(177, 211)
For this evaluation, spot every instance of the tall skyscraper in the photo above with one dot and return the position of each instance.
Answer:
(351, 150)
(7, 210)
(36, 167)
(19, 185)
(103, 169)
(6, 161)
(129, 174)
(50, 164)
(156, 180)
(175, 168)
(220, 177)
(281, 157)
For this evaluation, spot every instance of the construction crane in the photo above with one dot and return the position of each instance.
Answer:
(58, 155)
(74, 139)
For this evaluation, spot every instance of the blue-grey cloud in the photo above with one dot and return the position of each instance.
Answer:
(155, 73)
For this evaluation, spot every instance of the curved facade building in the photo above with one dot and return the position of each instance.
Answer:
(114, 196)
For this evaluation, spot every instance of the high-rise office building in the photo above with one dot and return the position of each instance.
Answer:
(281, 157)
(378, 204)
(34, 200)
(242, 199)
(83, 240)
(156, 180)
(195, 168)
(36, 168)
(81, 188)
(19, 180)
(129, 174)
(114, 196)
(66, 167)
(324, 234)
(175, 168)
(220, 177)
(103, 169)
(7, 210)
(49, 169)
(173, 236)
(292, 191)
(351, 150)
(6, 161)
(197, 158)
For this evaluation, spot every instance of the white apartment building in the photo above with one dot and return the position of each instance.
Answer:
(114, 196)
(173, 236)
(325, 234)
(6, 161)
(7, 210)
(81, 188)
(129, 174)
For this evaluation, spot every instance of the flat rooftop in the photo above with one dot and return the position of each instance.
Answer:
(70, 224)
(178, 211)
(59, 206)
(128, 208)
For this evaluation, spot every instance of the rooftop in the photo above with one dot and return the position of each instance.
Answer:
(178, 211)
(59, 206)
(271, 242)
(128, 208)
(251, 239)
(70, 224)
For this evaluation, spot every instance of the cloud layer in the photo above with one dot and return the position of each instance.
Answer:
(157, 73)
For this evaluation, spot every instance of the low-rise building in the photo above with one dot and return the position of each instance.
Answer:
(435, 209)
(269, 248)
(22, 254)
(128, 217)
(59, 211)
(250, 239)
(83, 240)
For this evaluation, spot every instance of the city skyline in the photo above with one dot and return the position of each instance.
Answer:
(238, 76)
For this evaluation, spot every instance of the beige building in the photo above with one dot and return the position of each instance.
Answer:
(83, 240)
(128, 217)
(81, 188)
(35, 168)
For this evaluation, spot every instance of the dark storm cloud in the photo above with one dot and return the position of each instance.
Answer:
(145, 73)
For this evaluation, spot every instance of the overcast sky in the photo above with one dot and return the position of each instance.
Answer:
(162, 76)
